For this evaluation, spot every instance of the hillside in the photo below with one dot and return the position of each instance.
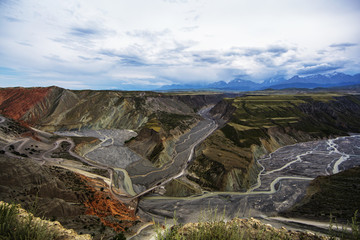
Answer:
(79, 168)
(158, 118)
(335, 195)
(261, 124)
(17, 223)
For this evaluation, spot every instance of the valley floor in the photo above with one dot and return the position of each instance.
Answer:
(285, 174)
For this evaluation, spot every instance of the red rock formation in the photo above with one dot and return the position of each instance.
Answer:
(15, 102)
(111, 212)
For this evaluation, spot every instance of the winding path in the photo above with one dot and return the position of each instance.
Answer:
(282, 181)
(181, 158)
(304, 162)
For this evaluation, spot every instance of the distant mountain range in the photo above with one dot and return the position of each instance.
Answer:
(313, 81)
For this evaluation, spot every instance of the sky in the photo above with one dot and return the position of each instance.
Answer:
(145, 44)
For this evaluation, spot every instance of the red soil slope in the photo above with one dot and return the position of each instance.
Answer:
(111, 212)
(15, 102)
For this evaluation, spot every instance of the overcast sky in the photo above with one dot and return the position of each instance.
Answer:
(118, 44)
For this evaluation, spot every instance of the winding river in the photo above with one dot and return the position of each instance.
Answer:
(282, 181)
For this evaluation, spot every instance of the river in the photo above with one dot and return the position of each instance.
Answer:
(282, 182)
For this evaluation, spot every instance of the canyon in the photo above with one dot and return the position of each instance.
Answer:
(105, 161)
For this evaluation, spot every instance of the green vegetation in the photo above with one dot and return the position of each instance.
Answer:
(335, 195)
(14, 227)
(168, 121)
(259, 124)
(216, 228)
(179, 187)
(153, 124)
(255, 114)
(173, 120)
(262, 112)
(119, 236)
(351, 231)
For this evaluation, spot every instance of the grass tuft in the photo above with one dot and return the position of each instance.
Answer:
(213, 226)
(350, 231)
(26, 228)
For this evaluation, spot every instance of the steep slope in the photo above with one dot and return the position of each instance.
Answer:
(54, 190)
(336, 195)
(54, 108)
(16, 102)
(261, 124)
(158, 118)
(62, 195)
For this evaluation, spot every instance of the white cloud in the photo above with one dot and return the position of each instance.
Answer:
(113, 41)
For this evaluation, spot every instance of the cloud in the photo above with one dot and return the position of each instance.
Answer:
(254, 51)
(25, 44)
(149, 35)
(105, 44)
(343, 46)
(83, 32)
(12, 19)
(176, 1)
(67, 84)
(277, 50)
(189, 29)
(132, 58)
(8, 71)
(318, 69)
(55, 58)
(90, 58)
(210, 60)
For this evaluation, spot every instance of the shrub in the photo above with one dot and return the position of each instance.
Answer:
(11, 227)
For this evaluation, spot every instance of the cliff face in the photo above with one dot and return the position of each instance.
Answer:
(258, 125)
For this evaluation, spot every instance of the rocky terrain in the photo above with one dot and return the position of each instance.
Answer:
(58, 192)
(101, 159)
(257, 125)
(159, 118)
(55, 182)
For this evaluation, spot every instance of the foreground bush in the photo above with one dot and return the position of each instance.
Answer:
(236, 229)
(14, 227)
